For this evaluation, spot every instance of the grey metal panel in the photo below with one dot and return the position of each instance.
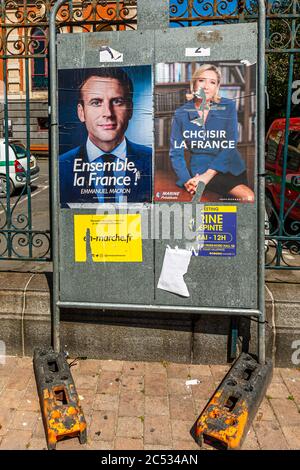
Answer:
(214, 281)
(218, 281)
(91, 281)
(103, 282)
(152, 14)
(227, 42)
(82, 50)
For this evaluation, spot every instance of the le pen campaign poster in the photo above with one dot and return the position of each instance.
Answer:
(105, 135)
(186, 123)
(205, 131)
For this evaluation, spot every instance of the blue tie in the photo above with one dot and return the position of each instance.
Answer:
(109, 172)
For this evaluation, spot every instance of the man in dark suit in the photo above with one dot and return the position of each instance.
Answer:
(108, 167)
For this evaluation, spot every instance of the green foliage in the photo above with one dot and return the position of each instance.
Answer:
(290, 397)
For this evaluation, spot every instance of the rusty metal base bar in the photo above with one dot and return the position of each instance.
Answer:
(226, 419)
(161, 308)
(61, 411)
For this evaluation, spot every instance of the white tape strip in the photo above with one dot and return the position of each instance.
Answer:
(2, 352)
(197, 52)
(247, 62)
(192, 382)
(107, 54)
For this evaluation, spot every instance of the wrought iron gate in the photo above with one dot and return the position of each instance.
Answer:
(24, 106)
(283, 67)
(24, 25)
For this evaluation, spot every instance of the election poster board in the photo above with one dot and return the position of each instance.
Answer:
(205, 125)
(116, 146)
(105, 135)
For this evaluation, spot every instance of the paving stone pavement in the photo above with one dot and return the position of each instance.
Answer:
(138, 405)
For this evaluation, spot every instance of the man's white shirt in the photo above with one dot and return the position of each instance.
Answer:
(120, 153)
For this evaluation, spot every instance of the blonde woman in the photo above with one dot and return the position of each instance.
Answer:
(207, 127)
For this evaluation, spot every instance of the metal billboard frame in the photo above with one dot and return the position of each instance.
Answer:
(57, 304)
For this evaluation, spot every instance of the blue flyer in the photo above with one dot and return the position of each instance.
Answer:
(216, 232)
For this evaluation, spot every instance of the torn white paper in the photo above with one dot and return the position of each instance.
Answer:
(197, 52)
(107, 54)
(175, 265)
(246, 62)
(192, 382)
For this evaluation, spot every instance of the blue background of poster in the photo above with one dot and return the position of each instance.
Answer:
(73, 133)
(221, 247)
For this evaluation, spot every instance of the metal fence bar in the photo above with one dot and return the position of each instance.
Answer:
(162, 308)
(261, 180)
(285, 155)
(28, 188)
(8, 207)
(54, 173)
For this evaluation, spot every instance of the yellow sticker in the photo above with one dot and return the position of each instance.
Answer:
(108, 238)
(220, 209)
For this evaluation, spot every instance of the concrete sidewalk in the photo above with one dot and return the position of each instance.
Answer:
(142, 405)
(25, 323)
